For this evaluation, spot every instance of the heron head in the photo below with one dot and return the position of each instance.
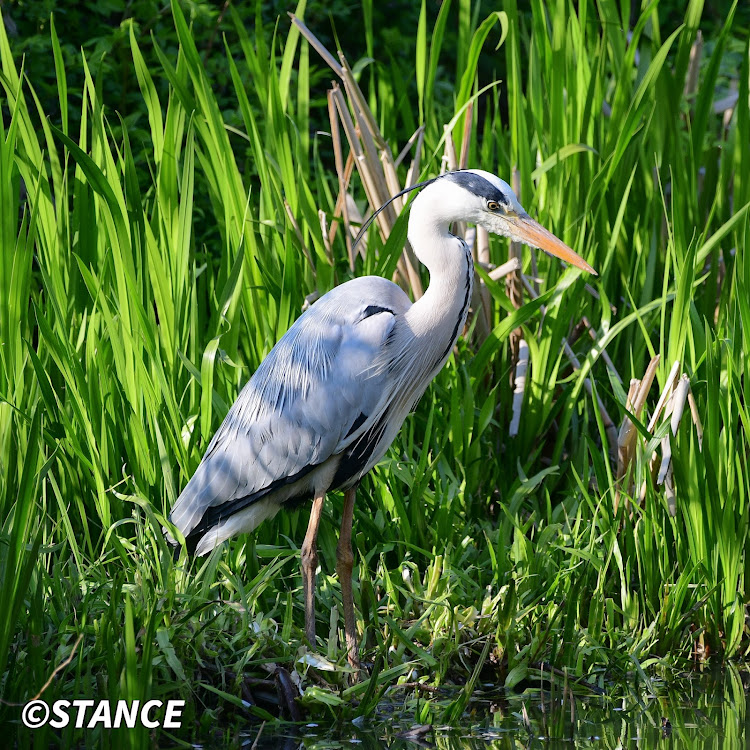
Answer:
(488, 201)
(479, 197)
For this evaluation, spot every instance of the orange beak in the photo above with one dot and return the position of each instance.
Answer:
(532, 233)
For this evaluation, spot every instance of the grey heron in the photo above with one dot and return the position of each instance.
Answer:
(326, 403)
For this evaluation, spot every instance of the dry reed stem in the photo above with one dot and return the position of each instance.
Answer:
(323, 219)
(680, 398)
(371, 154)
(345, 206)
(663, 405)
(483, 246)
(500, 271)
(627, 428)
(522, 366)
(411, 264)
(513, 282)
(353, 136)
(317, 46)
(355, 216)
(675, 405)
(338, 156)
(60, 667)
(671, 378)
(463, 160)
(666, 445)
(370, 161)
(372, 185)
(624, 446)
(378, 167)
(483, 258)
(669, 491)
(349, 130)
(358, 99)
(696, 419)
(449, 160)
(415, 138)
(636, 401)
(413, 174)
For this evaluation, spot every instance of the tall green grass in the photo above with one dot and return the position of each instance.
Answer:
(146, 271)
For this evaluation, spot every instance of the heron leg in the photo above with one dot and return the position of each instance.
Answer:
(344, 567)
(309, 558)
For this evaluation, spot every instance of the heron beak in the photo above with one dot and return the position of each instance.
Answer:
(532, 233)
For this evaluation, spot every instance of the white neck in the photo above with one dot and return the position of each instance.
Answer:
(439, 316)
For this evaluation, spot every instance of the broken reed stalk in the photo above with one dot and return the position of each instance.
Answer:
(626, 439)
(323, 219)
(671, 379)
(341, 172)
(482, 257)
(498, 272)
(662, 405)
(382, 170)
(522, 365)
(675, 404)
(696, 419)
(624, 444)
(416, 138)
(671, 404)
(371, 154)
(514, 285)
(675, 394)
(636, 401)
(317, 45)
(373, 181)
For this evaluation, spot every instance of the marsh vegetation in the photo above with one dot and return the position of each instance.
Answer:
(154, 249)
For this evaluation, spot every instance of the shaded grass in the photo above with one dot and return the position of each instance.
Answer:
(124, 340)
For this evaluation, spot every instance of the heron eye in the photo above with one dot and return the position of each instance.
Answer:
(493, 205)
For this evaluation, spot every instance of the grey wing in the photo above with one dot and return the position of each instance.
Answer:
(309, 398)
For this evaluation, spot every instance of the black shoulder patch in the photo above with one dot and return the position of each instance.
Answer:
(371, 310)
(478, 186)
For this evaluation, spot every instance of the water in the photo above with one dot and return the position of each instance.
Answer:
(707, 711)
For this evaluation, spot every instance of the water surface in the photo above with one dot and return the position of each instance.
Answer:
(703, 711)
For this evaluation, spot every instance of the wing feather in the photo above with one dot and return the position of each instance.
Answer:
(301, 404)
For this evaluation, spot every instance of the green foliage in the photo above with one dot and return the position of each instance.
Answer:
(158, 241)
